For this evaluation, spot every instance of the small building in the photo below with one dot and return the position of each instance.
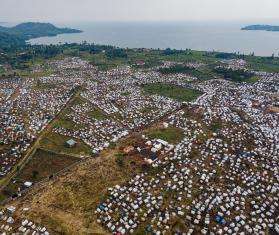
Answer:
(11, 209)
(28, 184)
(162, 142)
(71, 143)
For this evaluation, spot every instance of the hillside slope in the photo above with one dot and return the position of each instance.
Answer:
(7, 41)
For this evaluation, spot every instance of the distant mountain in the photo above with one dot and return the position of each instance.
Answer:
(12, 37)
(34, 30)
(262, 27)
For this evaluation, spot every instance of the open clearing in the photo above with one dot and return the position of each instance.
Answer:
(175, 92)
(171, 134)
(43, 164)
(97, 114)
(57, 143)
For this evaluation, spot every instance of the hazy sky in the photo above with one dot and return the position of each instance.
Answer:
(136, 10)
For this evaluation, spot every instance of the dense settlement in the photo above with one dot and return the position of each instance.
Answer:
(221, 177)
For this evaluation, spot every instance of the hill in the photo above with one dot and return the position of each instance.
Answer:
(34, 30)
(262, 27)
(12, 37)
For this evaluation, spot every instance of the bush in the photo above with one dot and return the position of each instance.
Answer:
(114, 53)
(35, 174)
(120, 159)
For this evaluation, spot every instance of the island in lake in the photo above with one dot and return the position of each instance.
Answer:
(262, 27)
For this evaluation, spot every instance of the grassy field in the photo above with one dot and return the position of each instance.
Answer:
(97, 114)
(41, 165)
(201, 73)
(253, 79)
(78, 100)
(171, 134)
(67, 123)
(56, 143)
(175, 92)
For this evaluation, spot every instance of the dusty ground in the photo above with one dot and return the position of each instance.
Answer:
(66, 205)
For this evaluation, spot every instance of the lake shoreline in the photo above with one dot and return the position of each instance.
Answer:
(196, 36)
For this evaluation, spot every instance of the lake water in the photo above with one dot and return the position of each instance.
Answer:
(206, 36)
